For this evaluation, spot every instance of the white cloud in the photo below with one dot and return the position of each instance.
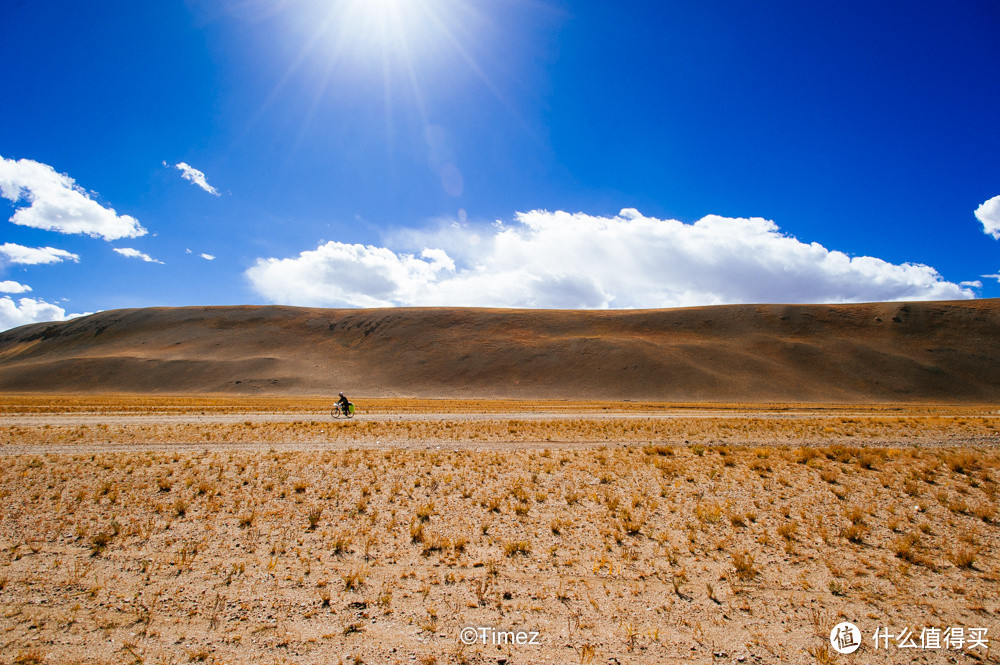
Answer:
(29, 310)
(207, 257)
(989, 214)
(136, 254)
(57, 203)
(9, 286)
(563, 260)
(192, 174)
(35, 255)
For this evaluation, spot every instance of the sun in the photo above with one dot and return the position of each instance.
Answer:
(407, 32)
(394, 50)
(386, 23)
(400, 44)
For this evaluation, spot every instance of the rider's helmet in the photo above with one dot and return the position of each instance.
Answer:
(341, 394)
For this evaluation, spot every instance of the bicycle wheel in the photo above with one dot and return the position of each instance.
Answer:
(349, 411)
(335, 412)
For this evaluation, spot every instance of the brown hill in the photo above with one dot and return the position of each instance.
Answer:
(935, 351)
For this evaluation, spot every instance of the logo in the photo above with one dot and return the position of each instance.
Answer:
(845, 637)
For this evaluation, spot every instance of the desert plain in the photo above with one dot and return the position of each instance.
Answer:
(239, 529)
(710, 485)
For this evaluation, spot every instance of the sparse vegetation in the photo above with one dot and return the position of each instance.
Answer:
(355, 530)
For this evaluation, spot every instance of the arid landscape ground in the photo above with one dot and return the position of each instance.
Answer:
(215, 529)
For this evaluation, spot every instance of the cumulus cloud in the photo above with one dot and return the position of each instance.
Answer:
(563, 260)
(133, 253)
(989, 215)
(195, 176)
(57, 203)
(29, 310)
(8, 286)
(35, 255)
(207, 257)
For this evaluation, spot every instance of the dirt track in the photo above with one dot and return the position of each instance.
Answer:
(83, 432)
(74, 419)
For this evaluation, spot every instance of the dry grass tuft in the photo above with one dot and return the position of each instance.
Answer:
(515, 547)
(743, 562)
(963, 557)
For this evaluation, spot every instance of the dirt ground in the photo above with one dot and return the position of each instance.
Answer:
(236, 530)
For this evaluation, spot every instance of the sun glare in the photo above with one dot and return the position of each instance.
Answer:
(405, 43)
(395, 29)
(382, 20)
(402, 47)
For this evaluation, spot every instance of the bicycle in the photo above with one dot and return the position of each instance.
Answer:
(337, 412)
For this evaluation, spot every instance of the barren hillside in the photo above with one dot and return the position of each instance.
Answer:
(940, 351)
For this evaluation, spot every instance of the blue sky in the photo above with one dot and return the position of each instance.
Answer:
(508, 153)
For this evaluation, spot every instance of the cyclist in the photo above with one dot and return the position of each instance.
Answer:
(344, 404)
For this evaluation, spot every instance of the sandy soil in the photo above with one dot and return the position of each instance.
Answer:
(146, 531)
